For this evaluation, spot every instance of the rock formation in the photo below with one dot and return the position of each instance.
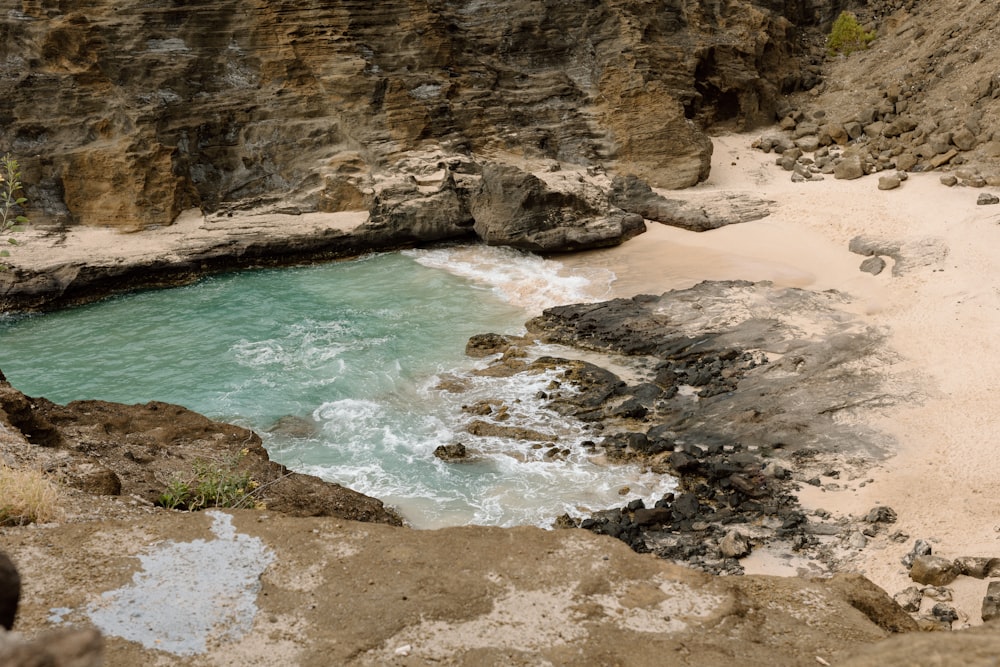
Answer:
(139, 451)
(125, 114)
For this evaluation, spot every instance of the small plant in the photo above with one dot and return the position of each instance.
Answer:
(212, 484)
(10, 200)
(27, 496)
(847, 36)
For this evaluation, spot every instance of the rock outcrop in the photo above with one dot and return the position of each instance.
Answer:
(125, 114)
(140, 452)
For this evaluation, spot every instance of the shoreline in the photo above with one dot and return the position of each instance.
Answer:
(941, 416)
(937, 312)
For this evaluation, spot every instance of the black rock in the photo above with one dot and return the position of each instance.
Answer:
(10, 591)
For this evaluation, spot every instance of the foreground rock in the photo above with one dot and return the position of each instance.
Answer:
(367, 594)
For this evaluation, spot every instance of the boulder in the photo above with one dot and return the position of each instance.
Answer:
(808, 143)
(933, 570)
(890, 182)
(906, 161)
(403, 214)
(949, 180)
(849, 168)
(734, 545)
(987, 199)
(943, 159)
(453, 452)
(963, 139)
(515, 208)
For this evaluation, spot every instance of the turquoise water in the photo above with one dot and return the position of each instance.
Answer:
(350, 354)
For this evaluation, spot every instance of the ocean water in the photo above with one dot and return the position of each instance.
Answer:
(337, 366)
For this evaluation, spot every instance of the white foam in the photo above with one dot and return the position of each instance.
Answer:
(519, 278)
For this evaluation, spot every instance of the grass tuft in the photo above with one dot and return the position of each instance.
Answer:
(27, 496)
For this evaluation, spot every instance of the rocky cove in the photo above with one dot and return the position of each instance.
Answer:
(801, 403)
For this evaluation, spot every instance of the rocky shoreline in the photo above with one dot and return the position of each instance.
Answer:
(727, 394)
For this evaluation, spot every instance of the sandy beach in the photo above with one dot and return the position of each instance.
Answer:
(939, 312)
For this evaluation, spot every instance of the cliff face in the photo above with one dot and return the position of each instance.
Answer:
(126, 113)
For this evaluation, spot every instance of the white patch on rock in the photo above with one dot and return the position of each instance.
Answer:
(426, 91)
(188, 593)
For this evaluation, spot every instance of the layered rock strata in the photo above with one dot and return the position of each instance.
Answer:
(126, 114)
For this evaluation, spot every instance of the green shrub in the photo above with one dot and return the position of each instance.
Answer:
(847, 36)
(212, 485)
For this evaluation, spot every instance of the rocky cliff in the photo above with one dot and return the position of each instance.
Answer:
(126, 113)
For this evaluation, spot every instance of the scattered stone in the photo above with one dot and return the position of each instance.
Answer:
(920, 548)
(943, 159)
(453, 452)
(906, 161)
(949, 180)
(974, 181)
(881, 514)
(933, 570)
(938, 593)
(849, 168)
(963, 139)
(944, 613)
(978, 567)
(991, 603)
(888, 182)
(873, 265)
(734, 545)
(987, 199)
(857, 540)
(909, 599)
(808, 143)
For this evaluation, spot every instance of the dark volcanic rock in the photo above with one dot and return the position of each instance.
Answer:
(729, 424)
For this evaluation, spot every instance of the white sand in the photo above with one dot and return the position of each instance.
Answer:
(942, 316)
